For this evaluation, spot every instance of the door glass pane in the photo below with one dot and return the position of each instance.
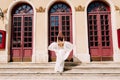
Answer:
(96, 38)
(106, 22)
(54, 27)
(107, 32)
(68, 23)
(101, 17)
(91, 43)
(63, 22)
(19, 23)
(95, 22)
(96, 43)
(29, 44)
(107, 38)
(63, 27)
(91, 33)
(90, 27)
(95, 27)
(102, 22)
(52, 33)
(107, 27)
(27, 31)
(30, 23)
(63, 18)
(108, 43)
(95, 32)
(68, 27)
(52, 18)
(67, 17)
(103, 43)
(94, 16)
(90, 17)
(16, 32)
(102, 27)
(91, 38)
(103, 38)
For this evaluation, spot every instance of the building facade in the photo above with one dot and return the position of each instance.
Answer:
(31, 25)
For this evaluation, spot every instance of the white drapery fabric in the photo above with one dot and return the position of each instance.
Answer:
(61, 54)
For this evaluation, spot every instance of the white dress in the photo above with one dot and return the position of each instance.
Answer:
(61, 54)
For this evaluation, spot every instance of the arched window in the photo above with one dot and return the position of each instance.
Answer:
(98, 6)
(60, 19)
(100, 31)
(60, 7)
(23, 9)
(22, 33)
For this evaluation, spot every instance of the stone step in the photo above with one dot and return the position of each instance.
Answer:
(73, 71)
(70, 68)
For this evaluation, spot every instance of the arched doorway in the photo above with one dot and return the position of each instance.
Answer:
(100, 31)
(60, 19)
(21, 33)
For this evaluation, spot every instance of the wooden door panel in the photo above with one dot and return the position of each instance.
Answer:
(27, 38)
(27, 54)
(16, 52)
(60, 23)
(95, 52)
(53, 32)
(16, 39)
(106, 52)
(21, 39)
(100, 47)
(59, 20)
(16, 55)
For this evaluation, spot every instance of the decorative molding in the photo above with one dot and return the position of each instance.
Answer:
(60, 0)
(5, 11)
(79, 8)
(117, 8)
(40, 9)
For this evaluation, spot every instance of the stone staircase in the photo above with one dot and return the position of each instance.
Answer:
(73, 71)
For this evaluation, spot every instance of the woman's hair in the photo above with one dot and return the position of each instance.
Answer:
(60, 36)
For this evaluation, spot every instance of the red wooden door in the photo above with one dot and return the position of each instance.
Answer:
(21, 38)
(21, 33)
(60, 20)
(100, 35)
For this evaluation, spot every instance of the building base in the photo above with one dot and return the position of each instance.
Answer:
(84, 58)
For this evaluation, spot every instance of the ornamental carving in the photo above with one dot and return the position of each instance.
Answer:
(117, 8)
(5, 11)
(40, 9)
(79, 8)
(60, 0)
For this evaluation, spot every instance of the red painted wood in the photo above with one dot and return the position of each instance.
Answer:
(21, 39)
(2, 39)
(118, 34)
(100, 34)
(22, 33)
(60, 20)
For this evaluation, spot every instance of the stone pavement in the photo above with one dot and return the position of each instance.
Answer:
(73, 71)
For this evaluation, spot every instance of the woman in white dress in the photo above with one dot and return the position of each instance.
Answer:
(62, 49)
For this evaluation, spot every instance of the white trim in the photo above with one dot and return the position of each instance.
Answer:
(113, 25)
(46, 22)
(8, 35)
